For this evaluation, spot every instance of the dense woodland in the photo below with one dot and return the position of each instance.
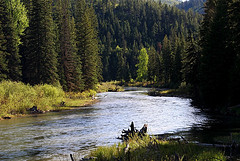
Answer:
(77, 43)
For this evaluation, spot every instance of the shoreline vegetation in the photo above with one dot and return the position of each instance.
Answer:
(137, 145)
(18, 99)
(150, 148)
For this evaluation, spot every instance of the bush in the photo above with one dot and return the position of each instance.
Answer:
(16, 97)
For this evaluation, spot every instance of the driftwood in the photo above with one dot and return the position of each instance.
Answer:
(126, 134)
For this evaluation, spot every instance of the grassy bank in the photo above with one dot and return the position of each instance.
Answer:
(16, 98)
(182, 91)
(138, 149)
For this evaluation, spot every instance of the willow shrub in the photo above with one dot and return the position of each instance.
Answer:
(152, 149)
(16, 97)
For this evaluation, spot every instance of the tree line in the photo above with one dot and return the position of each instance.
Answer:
(42, 41)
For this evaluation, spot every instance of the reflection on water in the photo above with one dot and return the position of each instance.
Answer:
(53, 136)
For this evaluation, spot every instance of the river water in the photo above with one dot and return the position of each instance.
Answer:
(53, 136)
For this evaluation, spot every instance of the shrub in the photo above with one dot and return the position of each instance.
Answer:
(16, 97)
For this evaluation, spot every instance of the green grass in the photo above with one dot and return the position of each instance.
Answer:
(155, 150)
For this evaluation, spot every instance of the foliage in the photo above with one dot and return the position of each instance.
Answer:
(69, 69)
(148, 148)
(109, 87)
(87, 43)
(39, 54)
(219, 57)
(81, 95)
(3, 53)
(14, 18)
(142, 65)
(19, 18)
(195, 5)
(16, 97)
(132, 25)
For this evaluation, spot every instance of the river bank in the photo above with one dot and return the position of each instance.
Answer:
(149, 148)
(18, 99)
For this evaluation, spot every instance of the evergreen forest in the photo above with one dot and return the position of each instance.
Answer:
(77, 43)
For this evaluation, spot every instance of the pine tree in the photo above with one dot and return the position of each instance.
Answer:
(3, 53)
(216, 59)
(191, 65)
(177, 65)
(87, 43)
(69, 66)
(122, 65)
(234, 45)
(39, 56)
(154, 65)
(15, 24)
(166, 60)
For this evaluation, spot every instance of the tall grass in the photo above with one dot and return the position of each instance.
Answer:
(109, 87)
(147, 148)
(16, 97)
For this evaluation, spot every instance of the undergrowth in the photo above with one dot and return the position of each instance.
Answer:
(16, 97)
(147, 148)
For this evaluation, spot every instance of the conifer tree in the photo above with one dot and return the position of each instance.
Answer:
(3, 53)
(216, 58)
(15, 23)
(69, 70)
(234, 45)
(39, 56)
(191, 62)
(154, 65)
(166, 60)
(87, 43)
(177, 65)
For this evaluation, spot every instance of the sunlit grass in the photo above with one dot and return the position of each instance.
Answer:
(153, 150)
(16, 98)
(109, 87)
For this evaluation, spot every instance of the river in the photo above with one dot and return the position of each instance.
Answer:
(55, 135)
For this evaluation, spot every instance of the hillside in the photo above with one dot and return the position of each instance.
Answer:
(195, 5)
(125, 27)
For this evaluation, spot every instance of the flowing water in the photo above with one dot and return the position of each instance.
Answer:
(53, 136)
